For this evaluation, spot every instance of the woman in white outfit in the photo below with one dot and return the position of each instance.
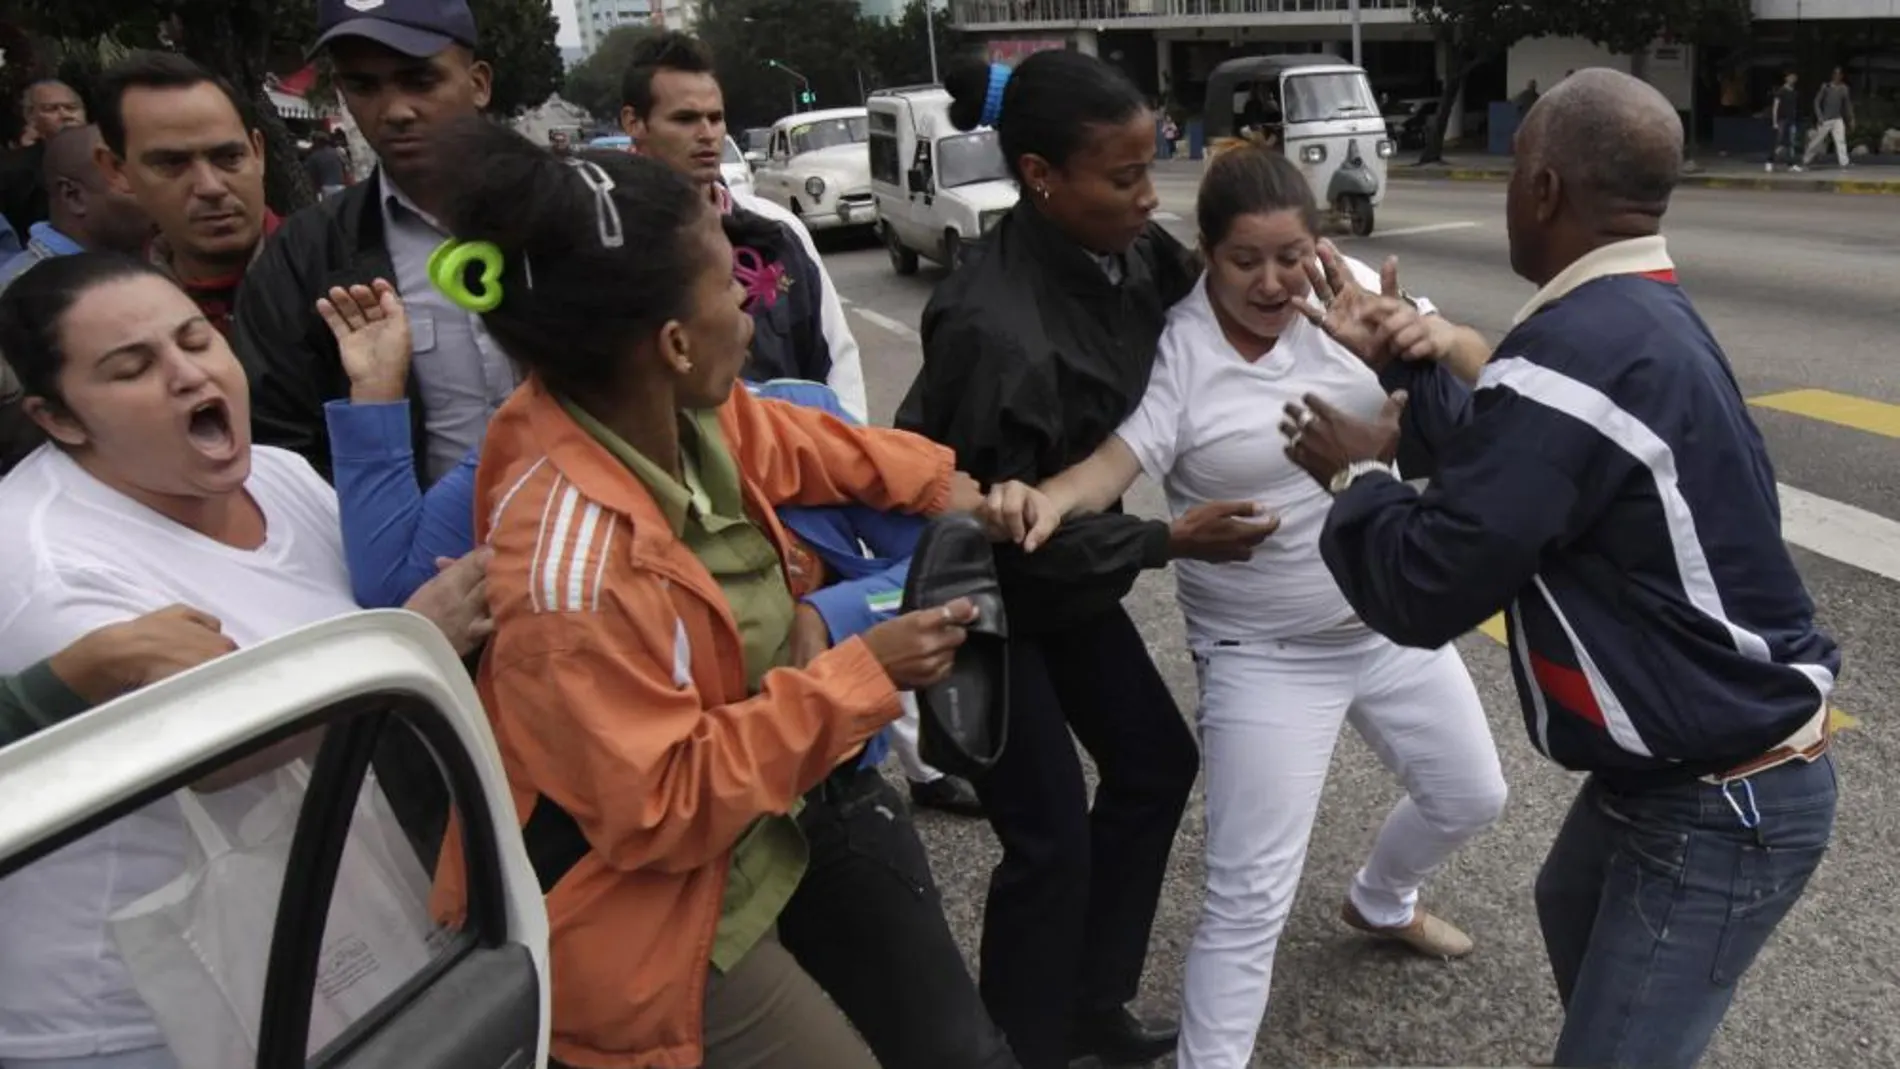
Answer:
(147, 493)
(1283, 662)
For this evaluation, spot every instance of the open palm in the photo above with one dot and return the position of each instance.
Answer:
(372, 339)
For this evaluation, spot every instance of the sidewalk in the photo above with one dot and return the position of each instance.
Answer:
(1714, 172)
(1708, 173)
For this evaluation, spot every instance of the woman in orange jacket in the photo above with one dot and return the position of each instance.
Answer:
(643, 595)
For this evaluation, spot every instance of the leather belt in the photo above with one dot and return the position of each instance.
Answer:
(1808, 743)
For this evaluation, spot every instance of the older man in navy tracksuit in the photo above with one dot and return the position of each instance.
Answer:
(1605, 487)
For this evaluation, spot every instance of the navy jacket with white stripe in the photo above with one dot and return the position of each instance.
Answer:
(1608, 490)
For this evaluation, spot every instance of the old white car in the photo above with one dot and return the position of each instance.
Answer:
(818, 167)
(298, 931)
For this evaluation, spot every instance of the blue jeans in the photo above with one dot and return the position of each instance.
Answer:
(1655, 902)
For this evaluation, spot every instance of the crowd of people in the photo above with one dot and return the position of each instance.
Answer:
(602, 420)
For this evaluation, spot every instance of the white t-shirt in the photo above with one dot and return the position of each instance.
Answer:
(81, 555)
(1208, 429)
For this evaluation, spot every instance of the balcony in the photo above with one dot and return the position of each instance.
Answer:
(993, 15)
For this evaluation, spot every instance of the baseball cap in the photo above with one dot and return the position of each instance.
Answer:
(418, 28)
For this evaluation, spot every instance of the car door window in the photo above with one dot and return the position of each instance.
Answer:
(298, 898)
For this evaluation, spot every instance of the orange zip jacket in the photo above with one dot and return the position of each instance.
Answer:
(615, 682)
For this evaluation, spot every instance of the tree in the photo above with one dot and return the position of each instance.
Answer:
(897, 51)
(819, 39)
(243, 40)
(1630, 27)
(594, 83)
(1471, 32)
(517, 39)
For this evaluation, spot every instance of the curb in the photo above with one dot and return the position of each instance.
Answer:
(1854, 186)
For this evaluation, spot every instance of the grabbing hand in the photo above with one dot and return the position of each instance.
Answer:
(121, 658)
(1020, 513)
(1220, 531)
(966, 494)
(810, 635)
(456, 600)
(372, 337)
(918, 648)
(1325, 441)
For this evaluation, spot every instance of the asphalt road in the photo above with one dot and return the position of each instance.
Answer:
(1804, 291)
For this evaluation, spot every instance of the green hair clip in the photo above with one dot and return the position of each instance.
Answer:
(448, 269)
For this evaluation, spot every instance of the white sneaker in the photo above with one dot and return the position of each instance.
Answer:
(1770, 168)
(1797, 168)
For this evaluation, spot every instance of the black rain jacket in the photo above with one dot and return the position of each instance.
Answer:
(1032, 358)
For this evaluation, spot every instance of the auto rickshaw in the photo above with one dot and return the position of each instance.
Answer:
(1317, 109)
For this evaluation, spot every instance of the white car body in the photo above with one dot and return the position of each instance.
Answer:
(818, 168)
(938, 189)
(733, 168)
(483, 1001)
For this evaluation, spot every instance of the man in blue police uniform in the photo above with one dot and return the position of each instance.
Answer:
(1604, 486)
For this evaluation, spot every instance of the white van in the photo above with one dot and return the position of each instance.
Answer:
(938, 188)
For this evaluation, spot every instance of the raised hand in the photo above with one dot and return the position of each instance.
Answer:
(1363, 321)
(372, 337)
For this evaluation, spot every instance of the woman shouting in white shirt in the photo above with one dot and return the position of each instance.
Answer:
(1283, 662)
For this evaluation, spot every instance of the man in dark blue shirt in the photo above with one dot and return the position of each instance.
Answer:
(1604, 486)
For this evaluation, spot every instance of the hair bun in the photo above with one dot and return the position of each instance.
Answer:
(968, 83)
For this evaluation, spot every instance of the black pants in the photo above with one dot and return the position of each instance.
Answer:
(868, 925)
(1072, 903)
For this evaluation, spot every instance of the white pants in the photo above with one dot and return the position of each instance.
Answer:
(1270, 715)
(1835, 128)
(904, 744)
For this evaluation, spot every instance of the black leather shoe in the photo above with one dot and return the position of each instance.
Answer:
(964, 720)
(947, 794)
(1118, 1037)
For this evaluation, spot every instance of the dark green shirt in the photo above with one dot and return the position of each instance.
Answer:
(34, 700)
(706, 509)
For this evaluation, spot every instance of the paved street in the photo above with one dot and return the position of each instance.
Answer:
(1804, 290)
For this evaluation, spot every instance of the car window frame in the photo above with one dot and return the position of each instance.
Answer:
(416, 690)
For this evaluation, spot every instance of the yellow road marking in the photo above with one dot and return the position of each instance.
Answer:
(1494, 630)
(1875, 417)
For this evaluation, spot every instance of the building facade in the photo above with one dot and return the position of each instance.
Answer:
(1170, 46)
(676, 14)
(598, 18)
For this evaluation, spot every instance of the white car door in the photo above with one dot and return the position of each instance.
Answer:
(376, 692)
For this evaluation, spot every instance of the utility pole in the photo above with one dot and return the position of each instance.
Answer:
(1358, 47)
(930, 37)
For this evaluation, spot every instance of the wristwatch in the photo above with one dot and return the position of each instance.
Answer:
(1352, 472)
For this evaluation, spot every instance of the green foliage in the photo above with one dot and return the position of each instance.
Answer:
(244, 40)
(1629, 27)
(517, 39)
(897, 52)
(594, 83)
(818, 39)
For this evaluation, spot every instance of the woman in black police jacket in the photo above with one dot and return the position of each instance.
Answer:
(1034, 352)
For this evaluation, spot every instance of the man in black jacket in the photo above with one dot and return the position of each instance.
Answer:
(403, 69)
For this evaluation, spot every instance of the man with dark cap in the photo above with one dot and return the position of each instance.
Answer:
(403, 68)
(86, 211)
(1606, 489)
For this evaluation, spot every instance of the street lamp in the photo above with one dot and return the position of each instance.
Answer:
(805, 95)
(930, 35)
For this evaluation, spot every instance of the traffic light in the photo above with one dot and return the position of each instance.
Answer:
(807, 97)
